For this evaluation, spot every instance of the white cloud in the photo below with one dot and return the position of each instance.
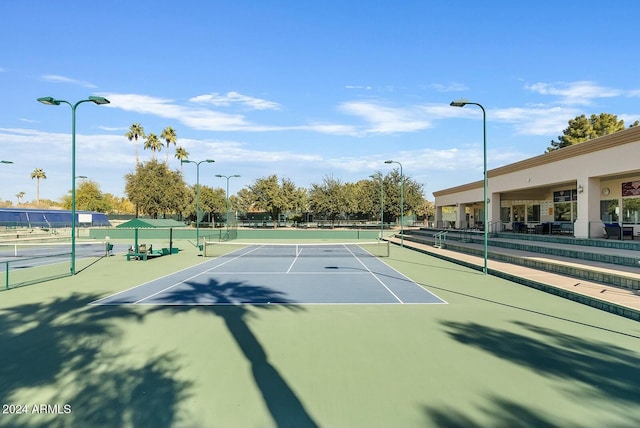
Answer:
(450, 87)
(61, 79)
(535, 120)
(231, 98)
(234, 151)
(387, 120)
(201, 118)
(196, 118)
(581, 92)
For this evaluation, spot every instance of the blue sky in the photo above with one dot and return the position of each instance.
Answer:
(305, 89)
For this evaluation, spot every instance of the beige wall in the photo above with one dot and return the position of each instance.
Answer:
(601, 163)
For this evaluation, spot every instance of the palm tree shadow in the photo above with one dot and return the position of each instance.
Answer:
(600, 369)
(232, 301)
(503, 413)
(71, 348)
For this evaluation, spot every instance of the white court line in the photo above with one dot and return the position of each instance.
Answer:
(374, 275)
(96, 302)
(191, 277)
(284, 273)
(294, 260)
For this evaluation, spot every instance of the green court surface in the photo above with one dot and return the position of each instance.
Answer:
(497, 355)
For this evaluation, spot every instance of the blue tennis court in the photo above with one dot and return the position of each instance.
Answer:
(282, 274)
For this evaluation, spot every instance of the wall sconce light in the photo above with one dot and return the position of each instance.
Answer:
(580, 188)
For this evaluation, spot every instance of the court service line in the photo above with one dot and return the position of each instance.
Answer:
(294, 260)
(193, 267)
(96, 302)
(284, 273)
(374, 275)
(191, 277)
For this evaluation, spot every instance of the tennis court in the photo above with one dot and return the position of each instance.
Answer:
(245, 273)
(189, 353)
(26, 263)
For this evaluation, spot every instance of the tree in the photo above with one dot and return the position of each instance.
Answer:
(181, 154)
(211, 201)
(583, 129)
(38, 174)
(135, 131)
(412, 195)
(273, 196)
(89, 198)
(155, 189)
(119, 205)
(20, 195)
(169, 136)
(154, 144)
(329, 199)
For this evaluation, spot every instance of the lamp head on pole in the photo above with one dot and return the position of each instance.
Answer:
(209, 161)
(99, 100)
(5, 161)
(185, 161)
(389, 161)
(50, 101)
(459, 103)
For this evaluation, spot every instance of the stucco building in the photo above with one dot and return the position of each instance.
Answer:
(576, 188)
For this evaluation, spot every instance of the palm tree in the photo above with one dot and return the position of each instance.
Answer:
(153, 143)
(20, 195)
(136, 130)
(181, 153)
(38, 173)
(169, 135)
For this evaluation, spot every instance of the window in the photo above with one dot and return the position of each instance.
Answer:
(505, 214)
(519, 213)
(565, 211)
(609, 211)
(631, 210)
(533, 213)
(565, 207)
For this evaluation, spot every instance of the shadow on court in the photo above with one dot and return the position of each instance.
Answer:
(71, 350)
(585, 369)
(235, 303)
(503, 413)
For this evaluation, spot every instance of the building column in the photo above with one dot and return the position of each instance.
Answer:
(588, 223)
(461, 216)
(494, 212)
(438, 217)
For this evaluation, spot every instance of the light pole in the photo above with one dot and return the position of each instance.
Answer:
(401, 202)
(379, 176)
(462, 103)
(197, 195)
(227, 197)
(56, 102)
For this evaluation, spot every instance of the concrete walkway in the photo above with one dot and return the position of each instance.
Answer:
(625, 302)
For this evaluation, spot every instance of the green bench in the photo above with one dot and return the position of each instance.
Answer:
(143, 254)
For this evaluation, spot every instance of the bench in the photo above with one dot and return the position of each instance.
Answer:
(144, 254)
(562, 228)
(615, 231)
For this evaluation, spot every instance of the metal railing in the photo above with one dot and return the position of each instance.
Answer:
(441, 238)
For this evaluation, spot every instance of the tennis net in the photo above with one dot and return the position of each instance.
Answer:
(343, 249)
(52, 249)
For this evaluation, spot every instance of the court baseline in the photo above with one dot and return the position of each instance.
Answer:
(239, 278)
